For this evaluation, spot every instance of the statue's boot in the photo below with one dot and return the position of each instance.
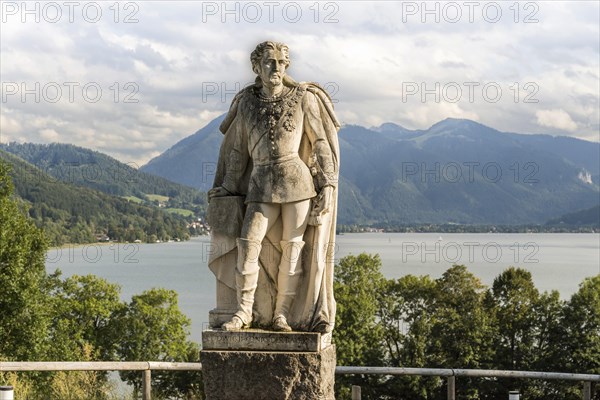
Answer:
(288, 278)
(246, 281)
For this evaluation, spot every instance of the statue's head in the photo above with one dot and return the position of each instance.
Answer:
(270, 61)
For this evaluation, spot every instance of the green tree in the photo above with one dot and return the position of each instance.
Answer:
(407, 319)
(24, 295)
(460, 335)
(528, 334)
(85, 313)
(461, 325)
(358, 286)
(515, 299)
(153, 328)
(581, 321)
(548, 348)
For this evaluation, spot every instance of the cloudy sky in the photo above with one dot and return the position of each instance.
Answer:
(132, 78)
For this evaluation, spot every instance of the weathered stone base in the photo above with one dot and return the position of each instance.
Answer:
(265, 375)
(217, 317)
(261, 340)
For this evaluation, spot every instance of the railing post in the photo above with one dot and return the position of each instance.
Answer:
(452, 387)
(146, 385)
(6, 393)
(587, 390)
(356, 392)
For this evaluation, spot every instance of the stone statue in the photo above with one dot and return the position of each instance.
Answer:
(274, 198)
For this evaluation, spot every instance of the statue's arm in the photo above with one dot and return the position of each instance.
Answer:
(237, 158)
(315, 131)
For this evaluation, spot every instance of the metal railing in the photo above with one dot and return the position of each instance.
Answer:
(451, 375)
(146, 367)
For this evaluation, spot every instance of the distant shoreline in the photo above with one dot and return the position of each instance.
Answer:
(456, 228)
(104, 243)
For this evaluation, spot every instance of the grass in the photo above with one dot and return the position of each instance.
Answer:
(162, 199)
(133, 199)
(180, 211)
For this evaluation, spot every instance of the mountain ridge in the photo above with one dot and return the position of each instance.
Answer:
(456, 171)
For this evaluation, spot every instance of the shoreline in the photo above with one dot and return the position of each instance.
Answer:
(75, 245)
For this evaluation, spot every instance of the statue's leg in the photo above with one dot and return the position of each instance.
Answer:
(246, 277)
(294, 217)
(287, 283)
(258, 219)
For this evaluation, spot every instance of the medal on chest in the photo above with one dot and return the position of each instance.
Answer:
(273, 111)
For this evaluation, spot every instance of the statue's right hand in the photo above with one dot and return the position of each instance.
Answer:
(217, 192)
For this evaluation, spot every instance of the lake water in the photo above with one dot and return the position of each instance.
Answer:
(557, 262)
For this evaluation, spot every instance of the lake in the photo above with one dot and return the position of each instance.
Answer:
(557, 261)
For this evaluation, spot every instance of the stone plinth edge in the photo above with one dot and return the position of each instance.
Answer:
(261, 340)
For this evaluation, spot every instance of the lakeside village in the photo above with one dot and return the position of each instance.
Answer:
(198, 227)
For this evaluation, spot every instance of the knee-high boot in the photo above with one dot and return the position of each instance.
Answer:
(246, 280)
(287, 277)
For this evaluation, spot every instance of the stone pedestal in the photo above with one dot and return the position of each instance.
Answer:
(226, 306)
(264, 365)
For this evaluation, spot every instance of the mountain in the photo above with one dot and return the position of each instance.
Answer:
(460, 171)
(74, 214)
(395, 131)
(588, 217)
(92, 169)
(457, 171)
(192, 161)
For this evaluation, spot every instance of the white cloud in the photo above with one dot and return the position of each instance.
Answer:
(49, 135)
(557, 118)
(9, 126)
(176, 49)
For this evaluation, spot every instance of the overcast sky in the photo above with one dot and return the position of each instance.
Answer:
(132, 78)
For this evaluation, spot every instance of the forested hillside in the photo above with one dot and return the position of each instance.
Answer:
(74, 214)
(588, 217)
(95, 170)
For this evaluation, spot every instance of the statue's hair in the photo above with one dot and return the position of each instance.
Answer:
(257, 54)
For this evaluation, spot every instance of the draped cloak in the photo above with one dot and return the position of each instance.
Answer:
(314, 303)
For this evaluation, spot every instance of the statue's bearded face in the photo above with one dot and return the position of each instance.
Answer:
(272, 67)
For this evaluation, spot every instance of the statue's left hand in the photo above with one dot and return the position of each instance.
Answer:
(322, 205)
(324, 199)
(217, 192)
